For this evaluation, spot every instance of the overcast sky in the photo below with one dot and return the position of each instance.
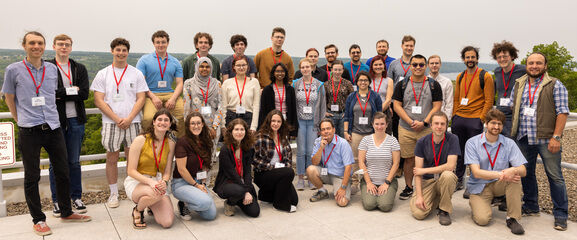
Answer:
(441, 27)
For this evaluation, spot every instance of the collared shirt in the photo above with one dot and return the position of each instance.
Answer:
(447, 86)
(17, 81)
(396, 72)
(355, 70)
(341, 156)
(148, 65)
(527, 124)
(509, 154)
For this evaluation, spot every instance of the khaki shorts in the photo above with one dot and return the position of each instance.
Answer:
(336, 181)
(408, 140)
(113, 137)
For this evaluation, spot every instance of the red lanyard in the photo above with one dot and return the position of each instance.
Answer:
(238, 162)
(329, 157)
(532, 97)
(328, 72)
(159, 66)
(280, 96)
(508, 81)
(207, 87)
(279, 58)
(32, 76)
(353, 72)
(278, 148)
(403, 65)
(489, 155)
(469, 87)
(157, 160)
(307, 96)
(415, 93)
(365, 108)
(67, 75)
(336, 94)
(199, 162)
(238, 90)
(116, 80)
(437, 159)
(381, 82)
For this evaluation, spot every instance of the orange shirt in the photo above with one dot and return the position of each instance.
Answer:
(480, 100)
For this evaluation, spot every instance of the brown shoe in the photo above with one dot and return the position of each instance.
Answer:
(76, 218)
(42, 229)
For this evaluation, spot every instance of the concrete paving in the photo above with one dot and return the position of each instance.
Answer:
(320, 220)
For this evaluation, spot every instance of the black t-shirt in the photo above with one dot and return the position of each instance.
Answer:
(424, 149)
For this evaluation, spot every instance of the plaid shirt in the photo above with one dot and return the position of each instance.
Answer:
(528, 125)
(265, 150)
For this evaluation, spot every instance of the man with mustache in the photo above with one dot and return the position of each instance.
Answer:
(332, 54)
(382, 49)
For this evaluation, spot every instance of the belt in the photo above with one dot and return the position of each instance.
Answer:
(41, 127)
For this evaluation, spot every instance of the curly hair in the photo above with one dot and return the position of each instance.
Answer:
(201, 144)
(248, 140)
(469, 48)
(149, 130)
(265, 128)
(504, 46)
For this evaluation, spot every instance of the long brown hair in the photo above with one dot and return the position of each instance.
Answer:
(265, 128)
(201, 144)
(248, 140)
(150, 128)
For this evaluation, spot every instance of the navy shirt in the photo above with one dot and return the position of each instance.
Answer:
(424, 149)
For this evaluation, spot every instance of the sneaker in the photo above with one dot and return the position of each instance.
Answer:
(312, 186)
(503, 206)
(42, 229)
(293, 208)
(56, 211)
(497, 201)
(78, 206)
(406, 194)
(76, 218)
(560, 224)
(444, 218)
(228, 209)
(184, 212)
(460, 185)
(113, 201)
(319, 195)
(301, 184)
(528, 212)
(466, 194)
(515, 227)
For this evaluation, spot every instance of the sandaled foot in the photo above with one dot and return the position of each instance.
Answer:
(138, 219)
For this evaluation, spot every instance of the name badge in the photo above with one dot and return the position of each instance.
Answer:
(162, 84)
(416, 109)
(38, 101)
(334, 108)
(355, 87)
(436, 176)
(240, 110)
(324, 171)
(279, 165)
(71, 91)
(504, 102)
(401, 79)
(284, 115)
(206, 110)
(363, 120)
(307, 109)
(201, 175)
(529, 112)
(118, 97)
(464, 101)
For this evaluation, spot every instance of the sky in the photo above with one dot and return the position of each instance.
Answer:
(440, 27)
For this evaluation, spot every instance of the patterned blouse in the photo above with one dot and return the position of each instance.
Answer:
(265, 150)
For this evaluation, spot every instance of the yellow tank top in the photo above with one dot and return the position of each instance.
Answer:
(146, 164)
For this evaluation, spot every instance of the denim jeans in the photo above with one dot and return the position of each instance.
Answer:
(552, 165)
(195, 199)
(305, 143)
(73, 135)
(339, 121)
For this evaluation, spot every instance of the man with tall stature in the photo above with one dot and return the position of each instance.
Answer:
(268, 57)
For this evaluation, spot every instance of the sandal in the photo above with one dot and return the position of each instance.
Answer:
(138, 221)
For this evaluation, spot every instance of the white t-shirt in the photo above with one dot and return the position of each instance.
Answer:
(132, 83)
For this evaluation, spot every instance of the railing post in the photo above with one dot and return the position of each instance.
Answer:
(3, 211)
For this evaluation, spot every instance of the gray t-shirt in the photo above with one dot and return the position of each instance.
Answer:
(70, 105)
(226, 67)
(426, 99)
(379, 159)
(358, 113)
(396, 70)
(380, 86)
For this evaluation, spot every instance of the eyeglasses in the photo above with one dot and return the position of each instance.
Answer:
(61, 44)
(240, 65)
(415, 65)
(363, 80)
(355, 53)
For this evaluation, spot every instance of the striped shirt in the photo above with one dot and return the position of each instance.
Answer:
(379, 159)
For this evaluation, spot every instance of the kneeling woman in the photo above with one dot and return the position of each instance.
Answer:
(273, 173)
(193, 161)
(149, 171)
(234, 180)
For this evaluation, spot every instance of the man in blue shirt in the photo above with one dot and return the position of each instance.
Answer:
(355, 65)
(160, 70)
(497, 166)
(332, 163)
(30, 88)
(382, 49)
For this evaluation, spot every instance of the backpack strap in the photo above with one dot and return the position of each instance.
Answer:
(482, 78)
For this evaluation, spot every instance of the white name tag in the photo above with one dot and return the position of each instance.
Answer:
(206, 110)
(355, 87)
(334, 108)
(307, 109)
(529, 112)
(324, 171)
(38, 101)
(71, 91)
(240, 110)
(363, 120)
(504, 102)
(118, 97)
(200, 175)
(279, 165)
(284, 115)
(401, 79)
(162, 84)
(464, 101)
(416, 109)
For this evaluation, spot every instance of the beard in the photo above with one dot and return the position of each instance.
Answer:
(538, 74)
(471, 64)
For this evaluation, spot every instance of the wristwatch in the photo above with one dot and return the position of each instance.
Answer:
(557, 137)
(343, 187)
(387, 182)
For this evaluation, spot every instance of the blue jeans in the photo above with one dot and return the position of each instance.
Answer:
(305, 142)
(73, 135)
(195, 199)
(339, 121)
(552, 165)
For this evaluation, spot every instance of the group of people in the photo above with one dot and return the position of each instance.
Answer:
(358, 126)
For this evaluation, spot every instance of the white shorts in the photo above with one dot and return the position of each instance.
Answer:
(113, 137)
(131, 183)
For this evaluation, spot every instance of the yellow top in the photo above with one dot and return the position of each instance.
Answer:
(146, 164)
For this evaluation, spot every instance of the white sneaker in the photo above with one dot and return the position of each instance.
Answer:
(293, 208)
(113, 201)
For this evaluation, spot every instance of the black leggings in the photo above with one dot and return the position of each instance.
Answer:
(276, 186)
(234, 195)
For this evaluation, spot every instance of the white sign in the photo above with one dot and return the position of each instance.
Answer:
(7, 149)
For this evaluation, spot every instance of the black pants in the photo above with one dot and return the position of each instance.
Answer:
(276, 186)
(464, 128)
(31, 140)
(230, 115)
(234, 193)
